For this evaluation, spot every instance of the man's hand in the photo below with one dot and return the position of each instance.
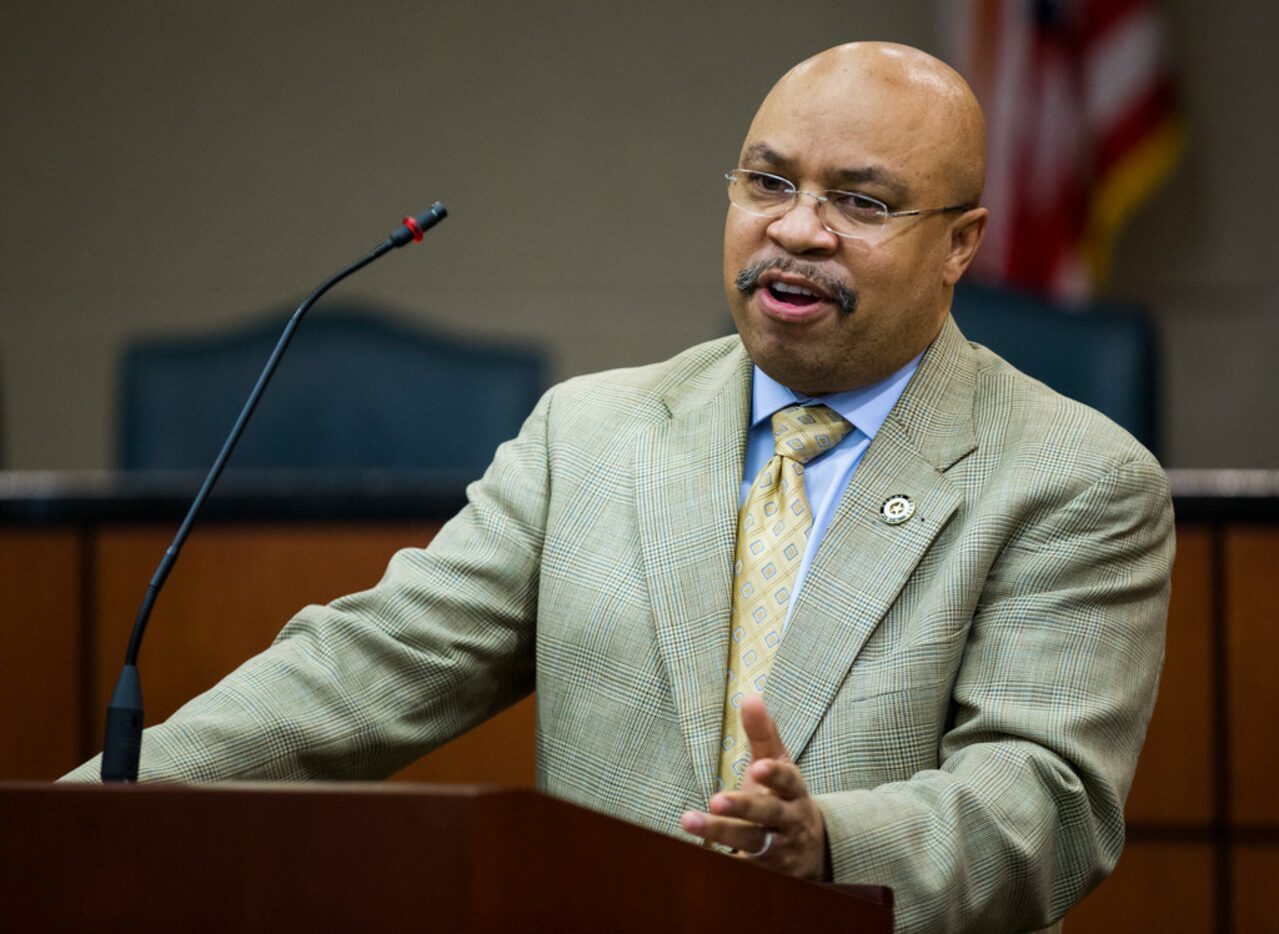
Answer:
(772, 811)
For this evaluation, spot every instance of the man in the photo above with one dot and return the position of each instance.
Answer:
(960, 660)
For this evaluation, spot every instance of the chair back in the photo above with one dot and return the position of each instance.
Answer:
(1103, 354)
(355, 390)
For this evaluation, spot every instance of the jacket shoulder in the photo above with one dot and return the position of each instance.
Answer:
(1011, 407)
(1022, 423)
(650, 392)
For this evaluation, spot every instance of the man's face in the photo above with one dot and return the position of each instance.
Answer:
(880, 300)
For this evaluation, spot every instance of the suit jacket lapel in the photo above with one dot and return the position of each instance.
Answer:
(688, 474)
(864, 562)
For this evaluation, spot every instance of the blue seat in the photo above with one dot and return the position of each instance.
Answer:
(355, 390)
(1103, 355)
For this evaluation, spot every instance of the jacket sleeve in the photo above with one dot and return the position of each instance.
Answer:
(1048, 713)
(365, 685)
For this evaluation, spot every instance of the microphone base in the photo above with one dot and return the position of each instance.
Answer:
(122, 748)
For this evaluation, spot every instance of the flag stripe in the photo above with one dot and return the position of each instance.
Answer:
(1128, 184)
(1098, 17)
(1144, 116)
(1121, 64)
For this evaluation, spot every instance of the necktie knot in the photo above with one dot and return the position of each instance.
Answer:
(802, 432)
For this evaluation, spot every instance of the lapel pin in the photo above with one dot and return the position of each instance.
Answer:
(897, 509)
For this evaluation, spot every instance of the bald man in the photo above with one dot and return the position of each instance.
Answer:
(956, 623)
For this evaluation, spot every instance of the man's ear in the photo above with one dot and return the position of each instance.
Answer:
(965, 237)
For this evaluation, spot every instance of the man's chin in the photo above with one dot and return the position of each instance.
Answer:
(787, 363)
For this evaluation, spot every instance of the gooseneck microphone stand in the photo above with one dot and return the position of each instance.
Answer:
(123, 745)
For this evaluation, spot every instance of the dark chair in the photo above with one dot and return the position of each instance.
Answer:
(354, 391)
(1103, 354)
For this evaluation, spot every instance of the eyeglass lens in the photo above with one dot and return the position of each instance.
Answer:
(772, 196)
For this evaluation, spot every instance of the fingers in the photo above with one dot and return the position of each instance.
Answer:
(771, 819)
(760, 729)
(780, 777)
(728, 831)
(733, 813)
(764, 810)
(744, 822)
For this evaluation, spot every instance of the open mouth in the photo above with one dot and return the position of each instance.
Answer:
(795, 289)
(795, 295)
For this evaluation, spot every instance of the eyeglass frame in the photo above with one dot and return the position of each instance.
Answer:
(825, 198)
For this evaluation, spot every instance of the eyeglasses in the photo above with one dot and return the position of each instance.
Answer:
(845, 213)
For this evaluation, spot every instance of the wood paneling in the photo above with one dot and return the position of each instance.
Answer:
(1160, 888)
(1174, 774)
(1255, 900)
(233, 589)
(40, 686)
(1252, 646)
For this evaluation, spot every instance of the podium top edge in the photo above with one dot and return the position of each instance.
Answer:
(382, 789)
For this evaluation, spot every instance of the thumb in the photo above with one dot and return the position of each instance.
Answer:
(760, 730)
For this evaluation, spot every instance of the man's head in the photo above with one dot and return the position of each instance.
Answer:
(889, 122)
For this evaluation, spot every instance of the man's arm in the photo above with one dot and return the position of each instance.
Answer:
(365, 685)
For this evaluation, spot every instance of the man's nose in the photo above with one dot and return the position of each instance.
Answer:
(800, 230)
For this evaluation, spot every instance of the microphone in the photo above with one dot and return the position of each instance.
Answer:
(122, 746)
(417, 224)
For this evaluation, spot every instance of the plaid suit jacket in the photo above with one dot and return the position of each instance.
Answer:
(966, 693)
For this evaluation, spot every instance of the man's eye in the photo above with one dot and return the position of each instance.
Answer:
(769, 184)
(857, 205)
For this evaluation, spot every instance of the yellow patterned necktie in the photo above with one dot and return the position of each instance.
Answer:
(772, 533)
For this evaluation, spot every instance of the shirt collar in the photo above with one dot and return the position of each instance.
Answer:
(865, 408)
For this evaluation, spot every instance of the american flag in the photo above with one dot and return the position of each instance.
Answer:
(1082, 124)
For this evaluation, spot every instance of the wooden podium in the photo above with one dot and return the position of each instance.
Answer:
(257, 857)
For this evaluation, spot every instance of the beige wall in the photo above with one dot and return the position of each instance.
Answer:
(180, 167)
(1204, 255)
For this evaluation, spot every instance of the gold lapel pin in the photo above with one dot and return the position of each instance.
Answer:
(897, 509)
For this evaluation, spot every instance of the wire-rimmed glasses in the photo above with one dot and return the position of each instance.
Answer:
(844, 213)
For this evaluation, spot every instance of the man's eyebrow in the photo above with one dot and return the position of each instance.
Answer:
(874, 174)
(762, 153)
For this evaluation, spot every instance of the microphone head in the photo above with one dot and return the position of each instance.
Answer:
(415, 225)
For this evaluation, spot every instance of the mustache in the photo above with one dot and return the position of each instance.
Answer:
(845, 297)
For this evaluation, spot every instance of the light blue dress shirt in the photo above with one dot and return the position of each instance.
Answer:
(827, 475)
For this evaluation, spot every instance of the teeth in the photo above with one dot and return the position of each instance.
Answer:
(793, 289)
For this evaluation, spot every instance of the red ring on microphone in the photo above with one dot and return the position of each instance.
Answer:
(414, 228)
